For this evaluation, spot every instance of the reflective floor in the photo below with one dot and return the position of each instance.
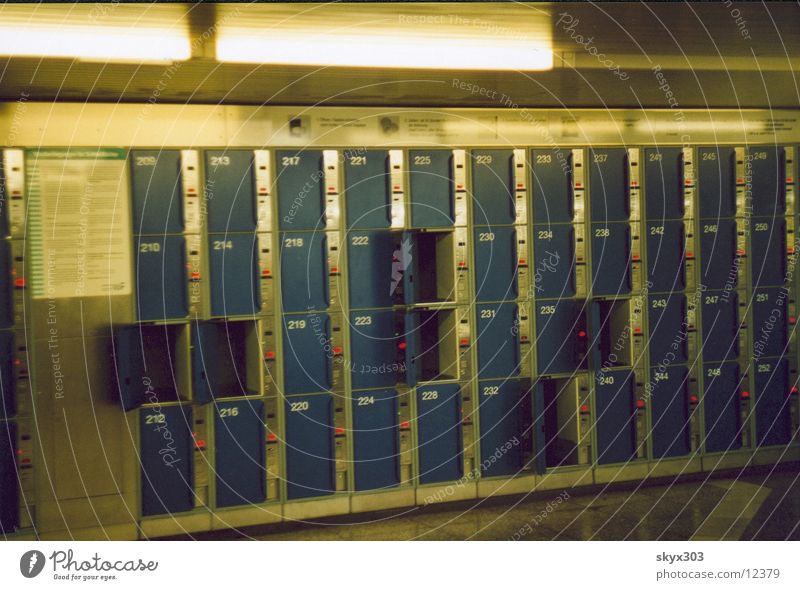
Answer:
(760, 505)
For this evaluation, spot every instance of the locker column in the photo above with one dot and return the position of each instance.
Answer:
(17, 499)
(767, 175)
(722, 288)
(373, 365)
(314, 401)
(437, 335)
(671, 393)
(153, 356)
(231, 366)
(558, 296)
(617, 297)
(500, 249)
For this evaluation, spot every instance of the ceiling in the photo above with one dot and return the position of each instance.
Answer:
(705, 54)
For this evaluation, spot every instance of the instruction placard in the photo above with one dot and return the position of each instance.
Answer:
(78, 222)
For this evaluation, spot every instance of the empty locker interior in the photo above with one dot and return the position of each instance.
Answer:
(288, 290)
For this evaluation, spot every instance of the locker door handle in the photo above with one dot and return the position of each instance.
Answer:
(328, 356)
(451, 190)
(387, 208)
(325, 271)
(514, 282)
(570, 187)
(681, 181)
(256, 276)
(511, 188)
(627, 184)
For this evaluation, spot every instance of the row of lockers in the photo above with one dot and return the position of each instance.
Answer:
(237, 182)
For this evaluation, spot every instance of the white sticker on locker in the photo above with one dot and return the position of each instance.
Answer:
(79, 222)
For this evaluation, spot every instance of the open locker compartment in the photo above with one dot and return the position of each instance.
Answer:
(226, 362)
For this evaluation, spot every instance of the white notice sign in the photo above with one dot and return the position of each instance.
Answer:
(79, 222)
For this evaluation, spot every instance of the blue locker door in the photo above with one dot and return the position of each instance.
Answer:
(773, 403)
(493, 187)
(235, 280)
(230, 191)
(715, 174)
(304, 271)
(310, 460)
(431, 184)
(721, 407)
(166, 455)
(145, 355)
(375, 439)
(498, 340)
(718, 265)
(768, 251)
(669, 411)
(611, 259)
(6, 282)
(161, 278)
(8, 402)
(156, 192)
(558, 327)
(768, 180)
(370, 259)
(554, 260)
(720, 327)
(9, 494)
(769, 327)
(439, 433)
(665, 250)
(495, 263)
(615, 418)
(608, 185)
(240, 453)
(301, 190)
(367, 189)
(307, 354)
(552, 186)
(663, 183)
(502, 426)
(667, 322)
(539, 411)
(373, 345)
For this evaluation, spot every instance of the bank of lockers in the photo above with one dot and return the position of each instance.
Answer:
(343, 360)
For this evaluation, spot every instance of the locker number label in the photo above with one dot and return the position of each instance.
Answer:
(430, 395)
(296, 325)
(298, 406)
(229, 412)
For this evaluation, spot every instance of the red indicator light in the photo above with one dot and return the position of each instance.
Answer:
(20, 452)
(739, 180)
(745, 394)
(337, 350)
(19, 283)
(195, 275)
(404, 424)
(396, 187)
(272, 437)
(789, 180)
(740, 252)
(339, 431)
(688, 182)
(462, 264)
(693, 399)
(459, 187)
(334, 269)
(790, 250)
(637, 330)
(794, 390)
(331, 189)
(201, 444)
(270, 355)
(689, 254)
(266, 272)
(581, 334)
(635, 257)
(402, 346)
(520, 185)
(640, 404)
(578, 185)
(634, 183)
(584, 409)
(522, 261)
(464, 341)
(792, 319)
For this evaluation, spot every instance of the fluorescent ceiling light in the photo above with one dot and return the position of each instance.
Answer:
(382, 49)
(94, 43)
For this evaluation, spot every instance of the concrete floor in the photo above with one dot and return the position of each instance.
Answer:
(759, 505)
